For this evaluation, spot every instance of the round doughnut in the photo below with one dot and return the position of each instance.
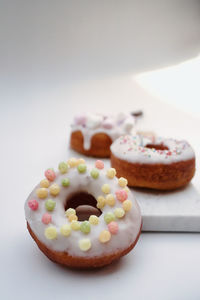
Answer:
(155, 162)
(92, 134)
(83, 216)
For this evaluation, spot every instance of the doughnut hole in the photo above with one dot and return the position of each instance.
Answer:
(157, 146)
(85, 205)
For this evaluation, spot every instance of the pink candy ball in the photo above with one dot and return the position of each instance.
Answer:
(99, 164)
(50, 174)
(107, 125)
(33, 204)
(46, 218)
(121, 195)
(80, 120)
(113, 227)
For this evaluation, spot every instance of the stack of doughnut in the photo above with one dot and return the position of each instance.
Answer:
(93, 134)
(52, 216)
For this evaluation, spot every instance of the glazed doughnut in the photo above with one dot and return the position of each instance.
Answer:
(92, 134)
(155, 162)
(69, 238)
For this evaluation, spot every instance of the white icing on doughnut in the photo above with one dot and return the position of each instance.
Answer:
(112, 125)
(132, 149)
(129, 225)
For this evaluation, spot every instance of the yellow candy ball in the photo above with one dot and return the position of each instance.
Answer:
(72, 218)
(94, 220)
(72, 162)
(65, 230)
(119, 212)
(101, 202)
(44, 183)
(123, 182)
(42, 193)
(110, 200)
(104, 236)
(54, 189)
(127, 205)
(80, 161)
(126, 189)
(50, 233)
(105, 188)
(75, 225)
(111, 173)
(85, 244)
(70, 211)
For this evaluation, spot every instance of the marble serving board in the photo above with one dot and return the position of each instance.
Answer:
(170, 211)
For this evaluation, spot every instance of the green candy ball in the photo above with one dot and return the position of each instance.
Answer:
(65, 182)
(82, 168)
(109, 217)
(85, 227)
(94, 173)
(63, 167)
(50, 204)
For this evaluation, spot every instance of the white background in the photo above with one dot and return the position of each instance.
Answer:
(61, 57)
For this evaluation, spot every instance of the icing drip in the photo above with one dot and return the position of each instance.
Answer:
(112, 125)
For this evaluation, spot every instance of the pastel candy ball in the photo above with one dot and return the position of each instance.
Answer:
(44, 183)
(82, 168)
(80, 119)
(85, 244)
(72, 218)
(75, 225)
(33, 204)
(46, 218)
(121, 117)
(104, 236)
(65, 182)
(105, 188)
(127, 205)
(72, 162)
(70, 211)
(85, 227)
(50, 204)
(50, 233)
(42, 193)
(111, 173)
(65, 230)
(107, 124)
(101, 202)
(99, 164)
(113, 227)
(93, 121)
(109, 217)
(50, 174)
(54, 189)
(122, 182)
(94, 173)
(63, 167)
(110, 200)
(80, 161)
(129, 124)
(126, 189)
(121, 195)
(94, 220)
(119, 212)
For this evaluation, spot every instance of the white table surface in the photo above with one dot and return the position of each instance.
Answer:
(35, 135)
(43, 83)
